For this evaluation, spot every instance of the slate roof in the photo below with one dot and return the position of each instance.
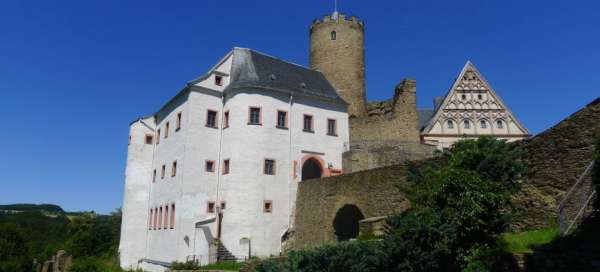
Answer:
(425, 116)
(252, 69)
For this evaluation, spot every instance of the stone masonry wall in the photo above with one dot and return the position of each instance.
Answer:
(555, 159)
(374, 154)
(395, 119)
(374, 192)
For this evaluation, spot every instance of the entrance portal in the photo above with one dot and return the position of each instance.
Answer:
(345, 223)
(311, 169)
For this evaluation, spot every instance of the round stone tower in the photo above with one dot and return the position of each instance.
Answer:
(337, 50)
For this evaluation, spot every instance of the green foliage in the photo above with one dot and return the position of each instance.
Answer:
(355, 256)
(525, 241)
(184, 265)
(227, 265)
(36, 234)
(460, 205)
(33, 208)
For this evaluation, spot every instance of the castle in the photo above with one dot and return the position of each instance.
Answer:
(215, 171)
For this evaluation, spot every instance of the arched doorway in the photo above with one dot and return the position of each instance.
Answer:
(345, 223)
(311, 169)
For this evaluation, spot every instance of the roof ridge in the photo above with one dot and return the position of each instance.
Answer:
(275, 58)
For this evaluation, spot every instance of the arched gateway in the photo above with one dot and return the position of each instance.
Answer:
(345, 223)
(311, 169)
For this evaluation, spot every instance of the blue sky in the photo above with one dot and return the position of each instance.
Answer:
(73, 74)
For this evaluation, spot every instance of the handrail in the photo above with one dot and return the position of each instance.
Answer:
(588, 194)
(579, 180)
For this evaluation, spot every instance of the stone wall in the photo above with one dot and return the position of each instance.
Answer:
(373, 192)
(395, 119)
(555, 158)
(366, 155)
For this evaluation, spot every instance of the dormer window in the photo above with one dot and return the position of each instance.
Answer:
(218, 80)
(483, 124)
(500, 124)
(467, 124)
(450, 124)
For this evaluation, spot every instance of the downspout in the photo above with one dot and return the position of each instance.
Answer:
(290, 175)
(150, 185)
(217, 200)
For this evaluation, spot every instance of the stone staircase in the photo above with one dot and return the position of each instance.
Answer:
(223, 254)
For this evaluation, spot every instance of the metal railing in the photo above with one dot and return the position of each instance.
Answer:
(576, 202)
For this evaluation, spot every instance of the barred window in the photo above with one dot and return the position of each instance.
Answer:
(254, 116)
(211, 119)
(331, 127)
(269, 167)
(281, 119)
(308, 123)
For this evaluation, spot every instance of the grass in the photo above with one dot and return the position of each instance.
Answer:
(522, 242)
(229, 266)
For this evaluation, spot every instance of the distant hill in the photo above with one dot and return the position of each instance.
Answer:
(50, 208)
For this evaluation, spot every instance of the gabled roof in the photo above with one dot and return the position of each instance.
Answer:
(459, 84)
(252, 69)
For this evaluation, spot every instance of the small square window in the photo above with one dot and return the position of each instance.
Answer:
(226, 119)
(218, 80)
(178, 122)
(149, 139)
(210, 166)
(211, 119)
(268, 206)
(254, 116)
(174, 169)
(210, 207)
(226, 167)
(269, 167)
(162, 172)
(464, 97)
(308, 123)
(331, 127)
(281, 119)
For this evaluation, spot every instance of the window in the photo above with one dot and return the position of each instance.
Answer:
(160, 218)
(483, 124)
(333, 35)
(479, 96)
(150, 220)
(166, 219)
(308, 123)
(223, 205)
(464, 97)
(331, 127)
(226, 167)
(268, 206)
(173, 216)
(149, 139)
(129, 141)
(158, 136)
(211, 119)
(167, 130)
(154, 224)
(154, 176)
(269, 167)
(467, 124)
(174, 169)
(162, 172)
(450, 124)
(178, 122)
(500, 124)
(210, 207)
(281, 119)
(218, 80)
(254, 116)
(226, 119)
(209, 166)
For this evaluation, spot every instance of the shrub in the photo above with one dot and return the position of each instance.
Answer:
(94, 264)
(190, 265)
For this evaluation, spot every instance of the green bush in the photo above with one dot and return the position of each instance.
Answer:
(94, 264)
(190, 265)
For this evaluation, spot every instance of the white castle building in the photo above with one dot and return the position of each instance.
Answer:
(219, 164)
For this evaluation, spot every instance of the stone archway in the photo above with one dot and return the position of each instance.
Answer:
(345, 223)
(311, 169)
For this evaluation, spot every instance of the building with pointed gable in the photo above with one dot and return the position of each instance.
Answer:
(469, 110)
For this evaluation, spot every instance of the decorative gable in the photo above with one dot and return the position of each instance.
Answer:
(472, 108)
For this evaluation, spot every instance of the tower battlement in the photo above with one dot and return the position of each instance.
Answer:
(338, 18)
